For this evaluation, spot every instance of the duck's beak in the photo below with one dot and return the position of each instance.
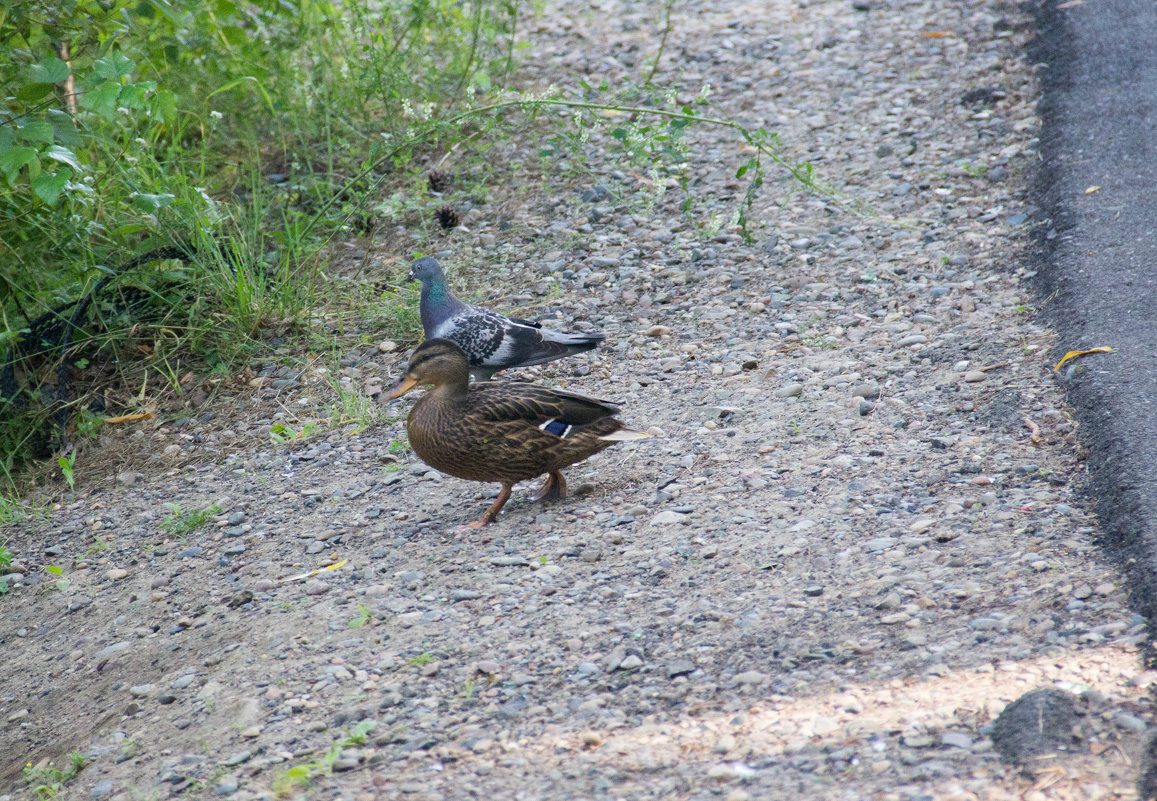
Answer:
(404, 385)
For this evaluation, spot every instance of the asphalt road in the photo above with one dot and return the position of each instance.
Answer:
(1098, 260)
(1098, 256)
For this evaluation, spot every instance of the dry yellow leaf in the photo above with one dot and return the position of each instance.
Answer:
(128, 418)
(1092, 189)
(312, 573)
(1074, 354)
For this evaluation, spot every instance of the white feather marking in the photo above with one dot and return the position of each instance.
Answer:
(503, 351)
(445, 329)
(565, 431)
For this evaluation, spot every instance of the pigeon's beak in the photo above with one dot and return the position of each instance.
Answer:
(411, 276)
(404, 385)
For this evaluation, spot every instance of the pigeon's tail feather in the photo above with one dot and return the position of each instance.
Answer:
(575, 343)
(553, 345)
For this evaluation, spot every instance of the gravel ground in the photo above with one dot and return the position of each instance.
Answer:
(857, 537)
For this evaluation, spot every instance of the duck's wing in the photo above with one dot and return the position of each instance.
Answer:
(534, 404)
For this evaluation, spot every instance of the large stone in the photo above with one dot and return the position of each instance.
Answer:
(1037, 724)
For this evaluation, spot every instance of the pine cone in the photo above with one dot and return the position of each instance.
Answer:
(447, 217)
(439, 181)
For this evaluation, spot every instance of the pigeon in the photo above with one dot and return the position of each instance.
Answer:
(492, 342)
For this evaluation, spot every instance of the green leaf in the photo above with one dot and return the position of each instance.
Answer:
(14, 158)
(51, 70)
(114, 66)
(164, 106)
(63, 128)
(63, 155)
(37, 131)
(31, 92)
(235, 36)
(740, 172)
(49, 185)
(126, 230)
(152, 203)
(54, 570)
(102, 99)
(135, 94)
(6, 137)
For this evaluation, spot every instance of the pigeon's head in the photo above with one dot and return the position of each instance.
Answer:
(427, 270)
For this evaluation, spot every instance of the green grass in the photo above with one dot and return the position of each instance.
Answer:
(181, 524)
(287, 783)
(364, 618)
(235, 143)
(49, 782)
(5, 564)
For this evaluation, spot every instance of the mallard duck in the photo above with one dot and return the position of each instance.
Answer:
(505, 431)
(492, 341)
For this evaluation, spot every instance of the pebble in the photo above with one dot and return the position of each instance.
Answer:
(789, 391)
(116, 574)
(667, 518)
(750, 677)
(142, 690)
(1130, 722)
(956, 739)
(237, 759)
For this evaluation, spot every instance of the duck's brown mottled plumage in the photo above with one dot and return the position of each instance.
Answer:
(501, 431)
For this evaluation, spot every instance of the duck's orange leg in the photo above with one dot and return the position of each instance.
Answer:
(554, 489)
(491, 514)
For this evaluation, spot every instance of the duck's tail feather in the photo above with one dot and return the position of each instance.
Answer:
(626, 435)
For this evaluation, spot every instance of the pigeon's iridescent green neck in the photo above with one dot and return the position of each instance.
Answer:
(435, 289)
(437, 305)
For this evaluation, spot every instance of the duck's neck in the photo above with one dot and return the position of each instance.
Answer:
(451, 393)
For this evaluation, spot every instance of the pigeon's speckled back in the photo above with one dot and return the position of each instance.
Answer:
(491, 341)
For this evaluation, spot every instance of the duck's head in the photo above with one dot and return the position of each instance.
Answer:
(436, 361)
(426, 270)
